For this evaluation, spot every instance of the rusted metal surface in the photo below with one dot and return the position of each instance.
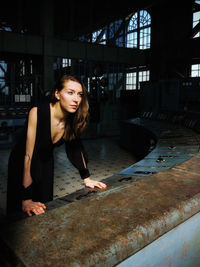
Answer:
(175, 144)
(178, 247)
(102, 228)
(109, 226)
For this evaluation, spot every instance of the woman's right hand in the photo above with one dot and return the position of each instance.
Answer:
(36, 207)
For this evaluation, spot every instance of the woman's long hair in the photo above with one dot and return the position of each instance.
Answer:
(75, 122)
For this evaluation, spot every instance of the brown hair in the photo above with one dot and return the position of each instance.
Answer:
(75, 122)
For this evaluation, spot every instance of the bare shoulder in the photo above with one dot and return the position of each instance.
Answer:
(33, 114)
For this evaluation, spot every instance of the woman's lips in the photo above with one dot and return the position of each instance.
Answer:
(73, 106)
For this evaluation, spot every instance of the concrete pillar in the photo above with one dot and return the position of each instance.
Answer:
(47, 31)
(48, 73)
(19, 25)
(170, 34)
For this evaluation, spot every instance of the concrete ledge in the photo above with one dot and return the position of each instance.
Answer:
(105, 229)
(109, 226)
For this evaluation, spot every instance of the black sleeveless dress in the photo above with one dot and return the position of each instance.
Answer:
(42, 163)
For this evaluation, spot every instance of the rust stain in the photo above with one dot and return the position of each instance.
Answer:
(97, 225)
(184, 250)
(169, 261)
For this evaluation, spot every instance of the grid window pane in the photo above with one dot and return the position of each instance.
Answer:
(145, 35)
(133, 25)
(102, 39)
(145, 18)
(66, 62)
(132, 40)
(131, 81)
(196, 20)
(3, 69)
(119, 41)
(195, 70)
(95, 35)
(143, 76)
(113, 28)
(139, 31)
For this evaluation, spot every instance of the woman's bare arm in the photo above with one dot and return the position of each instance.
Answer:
(91, 183)
(30, 143)
(28, 205)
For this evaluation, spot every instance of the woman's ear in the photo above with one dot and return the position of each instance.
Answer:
(57, 95)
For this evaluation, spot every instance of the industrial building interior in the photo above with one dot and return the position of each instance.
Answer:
(133, 57)
(138, 59)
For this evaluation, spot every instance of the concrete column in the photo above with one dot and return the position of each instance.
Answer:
(20, 23)
(48, 73)
(47, 31)
(47, 17)
(169, 56)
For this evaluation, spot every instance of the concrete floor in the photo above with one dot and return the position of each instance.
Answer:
(105, 159)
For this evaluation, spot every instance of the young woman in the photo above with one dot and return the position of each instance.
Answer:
(52, 123)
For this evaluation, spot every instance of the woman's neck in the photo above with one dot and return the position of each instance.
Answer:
(58, 113)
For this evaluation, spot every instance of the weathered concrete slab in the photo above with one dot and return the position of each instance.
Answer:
(103, 228)
(109, 226)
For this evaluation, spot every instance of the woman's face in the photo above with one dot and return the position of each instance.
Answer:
(70, 96)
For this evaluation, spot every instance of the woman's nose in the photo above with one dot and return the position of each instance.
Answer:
(75, 98)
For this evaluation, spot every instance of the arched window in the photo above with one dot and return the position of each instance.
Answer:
(116, 33)
(99, 36)
(196, 18)
(4, 26)
(195, 68)
(139, 30)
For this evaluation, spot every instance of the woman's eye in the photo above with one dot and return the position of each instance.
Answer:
(81, 95)
(69, 92)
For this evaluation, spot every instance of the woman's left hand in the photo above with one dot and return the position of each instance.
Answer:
(92, 183)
